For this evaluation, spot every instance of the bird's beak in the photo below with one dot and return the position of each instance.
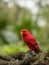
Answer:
(21, 33)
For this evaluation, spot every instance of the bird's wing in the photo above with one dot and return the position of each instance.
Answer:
(34, 44)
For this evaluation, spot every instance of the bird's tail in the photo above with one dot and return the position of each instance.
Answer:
(38, 51)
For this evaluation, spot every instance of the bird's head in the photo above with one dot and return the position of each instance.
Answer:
(24, 32)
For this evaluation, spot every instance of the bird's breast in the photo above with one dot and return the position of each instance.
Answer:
(26, 39)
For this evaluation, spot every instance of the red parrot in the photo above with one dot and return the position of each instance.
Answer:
(30, 40)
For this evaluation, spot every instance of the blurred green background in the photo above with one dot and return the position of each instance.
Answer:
(25, 14)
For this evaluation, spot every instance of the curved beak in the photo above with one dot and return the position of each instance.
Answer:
(21, 33)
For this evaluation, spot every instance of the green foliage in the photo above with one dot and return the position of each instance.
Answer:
(7, 49)
(45, 13)
(15, 19)
(26, 23)
(48, 52)
(3, 24)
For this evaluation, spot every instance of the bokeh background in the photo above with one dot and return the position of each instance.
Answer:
(19, 14)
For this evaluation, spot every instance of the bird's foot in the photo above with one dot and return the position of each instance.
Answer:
(29, 52)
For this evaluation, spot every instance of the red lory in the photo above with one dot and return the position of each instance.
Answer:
(30, 40)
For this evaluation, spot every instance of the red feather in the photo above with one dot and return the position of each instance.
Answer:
(30, 40)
